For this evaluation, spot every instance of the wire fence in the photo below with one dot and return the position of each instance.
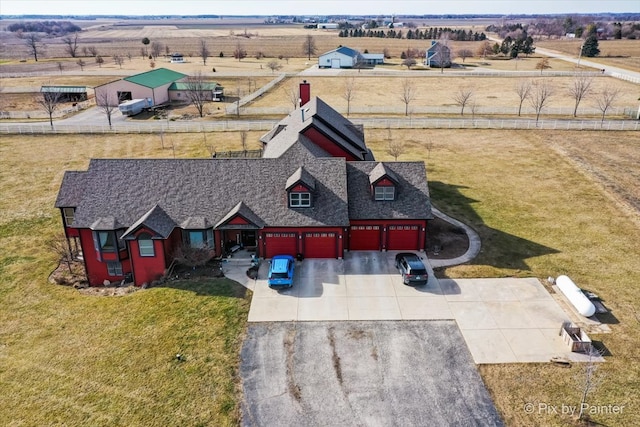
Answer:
(451, 110)
(370, 123)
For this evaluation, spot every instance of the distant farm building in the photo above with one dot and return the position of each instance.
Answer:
(342, 57)
(438, 55)
(373, 58)
(345, 57)
(177, 58)
(152, 85)
(328, 26)
(178, 91)
(66, 93)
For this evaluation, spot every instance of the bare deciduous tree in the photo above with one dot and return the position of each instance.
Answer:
(274, 66)
(292, 95)
(99, 61)
(71, 44)
(156, 49)
(605, 99)
(81, 64)
(239, 52)
(541, 92)
(107, 102)
(443, 52)
(93, 51)
(395, 147)
(203, 51)
(543, 64)
(349, 92)
(197, 91)
(485, 49)
(409, 62)
(462, 98)
(60, 66)
(50, 101)
(408, 94)
(309, 46)
(34, 45)
(579, 89)
(523, 88)
(119, 60)
(60, 247)
(464, 54)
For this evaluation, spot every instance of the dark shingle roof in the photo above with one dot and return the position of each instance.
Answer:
(316, 113)
(126, 190)
(412, 193)
(155, 78)
(303, 176)
(381, 171)
(71, 190)
(155, 219)
(244, 211)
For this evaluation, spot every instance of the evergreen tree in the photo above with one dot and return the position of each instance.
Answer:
(590, 47)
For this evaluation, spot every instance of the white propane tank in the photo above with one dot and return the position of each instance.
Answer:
(575, 295)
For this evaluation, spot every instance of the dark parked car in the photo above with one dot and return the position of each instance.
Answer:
(411, 268)
(281, 271)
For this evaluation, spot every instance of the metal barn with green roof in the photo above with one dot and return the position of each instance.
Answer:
(152, 85)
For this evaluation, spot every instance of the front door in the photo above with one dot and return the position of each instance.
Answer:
(248, 238)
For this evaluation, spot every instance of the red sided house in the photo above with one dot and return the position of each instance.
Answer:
(317, 191)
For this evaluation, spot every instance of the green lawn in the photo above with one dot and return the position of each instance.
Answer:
(66, 358)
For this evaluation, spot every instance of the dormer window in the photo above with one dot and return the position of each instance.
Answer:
(385, 192)
(299, 186)
(383, 183)
(300, 200)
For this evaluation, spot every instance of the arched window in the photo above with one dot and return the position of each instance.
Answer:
(145, 245)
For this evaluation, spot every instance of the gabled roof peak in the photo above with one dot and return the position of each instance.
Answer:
(381, 171)
(301, 175)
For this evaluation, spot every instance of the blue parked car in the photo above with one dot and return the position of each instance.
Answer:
(281, 271)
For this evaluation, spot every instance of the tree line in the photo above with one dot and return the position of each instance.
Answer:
(426, 34)
(48, 27)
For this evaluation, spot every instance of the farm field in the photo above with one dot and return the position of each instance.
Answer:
(372, 91)
(110, 360)
(618, 53)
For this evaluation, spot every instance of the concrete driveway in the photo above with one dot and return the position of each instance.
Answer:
(505, 320)
(361, 373)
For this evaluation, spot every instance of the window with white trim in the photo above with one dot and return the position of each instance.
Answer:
(69, 215)
(145, 245)
(114, 268)
(300, 200)
(385, 193)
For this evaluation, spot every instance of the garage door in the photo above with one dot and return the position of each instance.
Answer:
(364, 238)
(320, 245)
(403, 237)
(335, 63)
(280, 244)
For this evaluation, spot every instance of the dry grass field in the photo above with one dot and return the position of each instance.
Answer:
(539, 209)
(618, 53)
(438, 90)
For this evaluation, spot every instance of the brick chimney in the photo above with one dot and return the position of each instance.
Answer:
(305, 92)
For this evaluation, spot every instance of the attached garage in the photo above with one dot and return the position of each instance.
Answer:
(321, 245)
(364, 238)
(280, 244)
(403, 237)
